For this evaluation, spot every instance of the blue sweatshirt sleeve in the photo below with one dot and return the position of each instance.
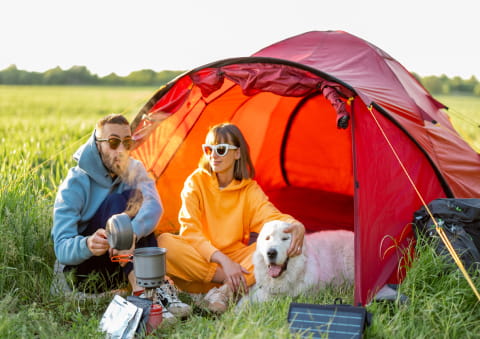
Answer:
(70, 247)
(151, 209)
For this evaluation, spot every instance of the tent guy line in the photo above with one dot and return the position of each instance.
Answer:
(438, 229)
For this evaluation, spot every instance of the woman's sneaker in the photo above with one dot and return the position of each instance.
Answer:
(218, 299)
(168, 318)
(197, 299)
(167, 294)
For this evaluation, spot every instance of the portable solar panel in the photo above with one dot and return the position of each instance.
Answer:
(337, 321)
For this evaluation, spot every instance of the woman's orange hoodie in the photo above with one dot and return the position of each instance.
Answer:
(214, 218)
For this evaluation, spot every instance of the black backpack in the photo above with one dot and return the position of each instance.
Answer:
(460, 220)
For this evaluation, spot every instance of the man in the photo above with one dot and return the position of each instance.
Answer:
(106, 182)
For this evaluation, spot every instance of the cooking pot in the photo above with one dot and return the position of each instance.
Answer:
(119, 231)
(148, 263)
(149, 266)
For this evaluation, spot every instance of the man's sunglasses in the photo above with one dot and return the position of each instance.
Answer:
(220, 149)
(114, 142)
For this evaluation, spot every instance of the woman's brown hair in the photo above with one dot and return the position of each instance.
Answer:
(231, 134)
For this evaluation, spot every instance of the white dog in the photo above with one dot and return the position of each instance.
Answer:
(327, 258)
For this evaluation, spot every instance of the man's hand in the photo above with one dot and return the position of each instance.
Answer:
(298, 232)
(97, 243)
(129, 252)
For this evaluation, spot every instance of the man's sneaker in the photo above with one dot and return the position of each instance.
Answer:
(218, 299)
(59, 283)
(167, 295)
(60, 286)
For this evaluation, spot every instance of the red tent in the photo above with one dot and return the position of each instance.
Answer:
(288, 99)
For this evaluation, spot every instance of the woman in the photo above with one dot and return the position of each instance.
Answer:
(223, 209)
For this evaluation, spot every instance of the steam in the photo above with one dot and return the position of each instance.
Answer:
(134, 203)
(133, 175)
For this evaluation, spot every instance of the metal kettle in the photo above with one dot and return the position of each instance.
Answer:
(119, 231)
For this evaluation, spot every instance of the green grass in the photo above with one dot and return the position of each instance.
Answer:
(41, 128)
(464, 112)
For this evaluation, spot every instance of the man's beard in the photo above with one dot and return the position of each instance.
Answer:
(115, 165)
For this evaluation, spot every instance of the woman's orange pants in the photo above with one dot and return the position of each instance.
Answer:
(191, 272)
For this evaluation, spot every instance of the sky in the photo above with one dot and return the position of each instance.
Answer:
(428, 37)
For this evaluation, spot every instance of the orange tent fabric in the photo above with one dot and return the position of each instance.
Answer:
(288, 99)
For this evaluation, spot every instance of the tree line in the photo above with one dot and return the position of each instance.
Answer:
(80, 75)
(445, 85)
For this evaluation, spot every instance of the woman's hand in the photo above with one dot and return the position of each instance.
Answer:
(298, 232)
(234, 272)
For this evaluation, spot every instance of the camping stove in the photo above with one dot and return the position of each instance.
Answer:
(149, 293)
(149, 263)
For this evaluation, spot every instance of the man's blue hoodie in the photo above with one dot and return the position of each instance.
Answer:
(81, 193)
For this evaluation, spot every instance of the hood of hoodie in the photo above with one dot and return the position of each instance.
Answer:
(89, 160)
(233, 186)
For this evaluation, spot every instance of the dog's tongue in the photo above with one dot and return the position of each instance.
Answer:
(274, 270)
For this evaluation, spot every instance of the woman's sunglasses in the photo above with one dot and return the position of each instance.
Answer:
(221, 149)
(114, 142)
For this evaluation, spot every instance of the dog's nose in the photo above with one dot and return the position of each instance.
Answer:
(272, 253)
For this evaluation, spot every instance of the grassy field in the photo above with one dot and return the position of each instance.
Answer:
(465, 115)
(41, 128)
